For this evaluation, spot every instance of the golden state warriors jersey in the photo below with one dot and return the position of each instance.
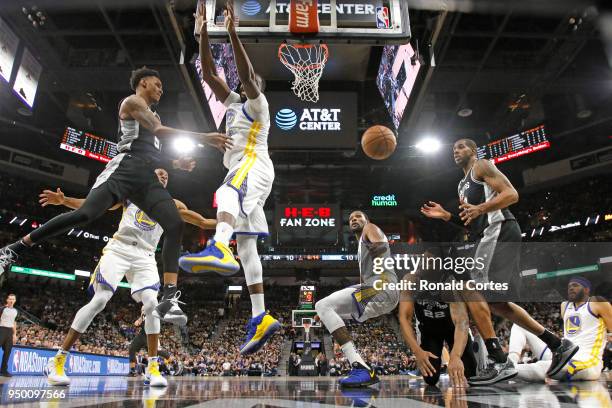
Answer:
(585, 330)
(248, 124)
(137, 227)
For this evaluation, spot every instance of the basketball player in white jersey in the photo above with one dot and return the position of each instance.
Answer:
(130, 253)
(361, 302)
(585, 320)
(241, 197)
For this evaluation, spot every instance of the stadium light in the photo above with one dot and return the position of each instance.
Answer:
(428, 145)
(184, 145)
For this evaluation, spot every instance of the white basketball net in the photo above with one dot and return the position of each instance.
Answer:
(307, 62)
(307, 330)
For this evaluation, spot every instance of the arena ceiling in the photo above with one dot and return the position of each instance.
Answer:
(512, 67)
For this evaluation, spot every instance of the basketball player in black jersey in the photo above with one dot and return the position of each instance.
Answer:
(131, 176)
(485, 194)
(438, 322)
(139, 342)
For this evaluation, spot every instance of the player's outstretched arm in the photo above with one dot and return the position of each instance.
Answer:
(243, 63)
(406, 313)
(48, 197)
(434, 210)
(136, 108)
(601, 307)
(209, 70)
(456, 370)
(193, 218)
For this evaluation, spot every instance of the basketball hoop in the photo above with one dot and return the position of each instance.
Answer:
(307, 62)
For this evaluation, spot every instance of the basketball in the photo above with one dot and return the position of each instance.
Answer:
(378, 142)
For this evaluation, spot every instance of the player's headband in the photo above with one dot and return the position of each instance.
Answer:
(581, 281)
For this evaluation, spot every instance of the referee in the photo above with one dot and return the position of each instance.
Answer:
(8, 331)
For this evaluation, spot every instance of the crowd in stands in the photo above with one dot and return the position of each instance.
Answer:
(208, 346)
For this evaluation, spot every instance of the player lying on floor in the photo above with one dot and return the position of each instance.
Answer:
(585, 320)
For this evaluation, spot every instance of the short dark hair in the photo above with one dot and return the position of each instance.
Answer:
(470, 143)
(364, 214)
(140, 73)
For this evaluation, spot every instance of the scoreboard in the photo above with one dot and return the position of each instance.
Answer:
(511, 147)
(88, 145)
(307, 297)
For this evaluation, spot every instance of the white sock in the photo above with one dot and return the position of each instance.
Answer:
(257, 304)
(352, 355)
(513, 357)
(223, 232)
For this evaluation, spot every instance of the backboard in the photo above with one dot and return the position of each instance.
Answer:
(377, 22)
(299, 316)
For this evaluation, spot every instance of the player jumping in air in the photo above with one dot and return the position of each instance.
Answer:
(241, 197)
(131, 176)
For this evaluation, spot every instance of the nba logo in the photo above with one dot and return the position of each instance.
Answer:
(382, 17)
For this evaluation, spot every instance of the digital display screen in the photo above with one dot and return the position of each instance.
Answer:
(331, 123)
(350, 13)
(396, 78)
(310, 224)
(307, 297)
(226, 70)
(26, 82)
(526, 142)
(9, 43)
(88, 145)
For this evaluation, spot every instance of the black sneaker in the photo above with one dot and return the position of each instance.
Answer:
(132, 373)
(5, 374)
(494, 373)
(561, 356)
(7, 257)
(169, 311)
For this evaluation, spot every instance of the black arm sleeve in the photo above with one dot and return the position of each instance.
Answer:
(456, 221)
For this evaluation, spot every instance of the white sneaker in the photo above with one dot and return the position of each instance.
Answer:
(55, 372)
(153, 377)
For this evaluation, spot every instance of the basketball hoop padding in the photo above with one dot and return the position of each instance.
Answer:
(303, 17)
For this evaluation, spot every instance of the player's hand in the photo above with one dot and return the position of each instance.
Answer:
(218, 140)
(48, 197)
(422, 360)
(184, 163)
(200, 18)
(230, 23)
(456, 372)
(434, 210)
(469, 212)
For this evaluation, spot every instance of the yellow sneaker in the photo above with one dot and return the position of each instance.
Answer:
(259, 330)
(153, 377)
(54, 370)
(216, 257)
